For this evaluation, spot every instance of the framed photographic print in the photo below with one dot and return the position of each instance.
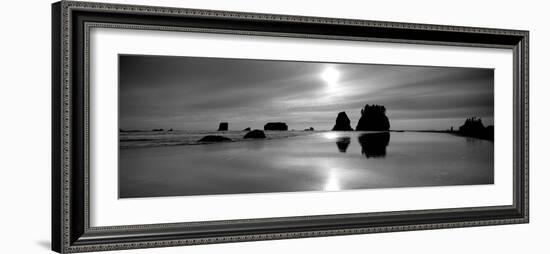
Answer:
(181, 126)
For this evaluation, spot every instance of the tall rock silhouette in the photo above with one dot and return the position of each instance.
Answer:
(342, 122)
(373, 118)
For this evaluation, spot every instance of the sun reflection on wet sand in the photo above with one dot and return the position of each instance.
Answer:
(330, 135)
(332, 183)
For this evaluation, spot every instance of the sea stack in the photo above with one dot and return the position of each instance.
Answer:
(342, 122)
(275, 126)
(224, 126)
(373, 118)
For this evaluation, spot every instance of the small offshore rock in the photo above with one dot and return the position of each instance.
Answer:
(255, 134)
(224, 126)
(214, 138)
(276, 126)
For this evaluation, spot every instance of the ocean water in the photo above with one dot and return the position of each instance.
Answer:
(172, 138)
(175, 164)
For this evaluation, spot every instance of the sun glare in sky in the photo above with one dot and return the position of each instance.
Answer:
(331, 76)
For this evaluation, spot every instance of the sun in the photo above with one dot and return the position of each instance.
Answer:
(331, 76)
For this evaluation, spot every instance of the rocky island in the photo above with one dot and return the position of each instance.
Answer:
(342, 122)
(373, 118)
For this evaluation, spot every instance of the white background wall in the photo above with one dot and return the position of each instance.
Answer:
(25, 128)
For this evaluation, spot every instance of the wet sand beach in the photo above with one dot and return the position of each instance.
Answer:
(315, 161)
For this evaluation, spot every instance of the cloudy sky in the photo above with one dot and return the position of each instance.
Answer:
(190, 93)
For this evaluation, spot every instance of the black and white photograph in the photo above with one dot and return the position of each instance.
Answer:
(214, 126)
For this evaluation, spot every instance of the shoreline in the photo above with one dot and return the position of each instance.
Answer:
(456, 133)
(236, 136)
(184, 139)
